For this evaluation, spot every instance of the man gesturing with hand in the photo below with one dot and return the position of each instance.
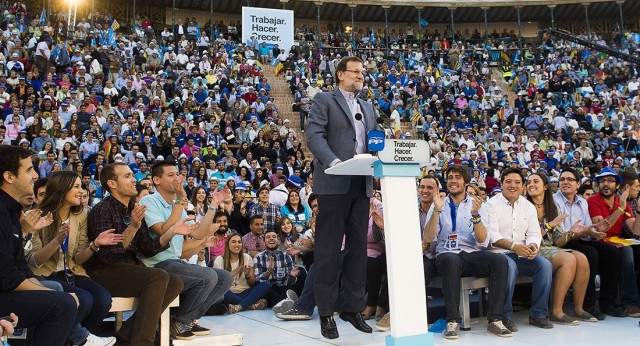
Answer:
(117, 268)
(203, 286)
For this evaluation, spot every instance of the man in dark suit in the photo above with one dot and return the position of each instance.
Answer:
(336, 131)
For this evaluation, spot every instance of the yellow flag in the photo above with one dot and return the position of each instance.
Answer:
(115, 25)
(279, 68)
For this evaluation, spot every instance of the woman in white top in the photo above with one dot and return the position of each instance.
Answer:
(246, 293)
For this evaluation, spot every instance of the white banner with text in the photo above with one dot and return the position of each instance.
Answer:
(268, 25)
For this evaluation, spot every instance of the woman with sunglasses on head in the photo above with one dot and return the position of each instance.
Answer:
(246, 293)
(59, 250)
(570, 268)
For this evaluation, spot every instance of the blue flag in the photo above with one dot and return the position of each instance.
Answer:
(373, 37)
(43, 18)
(216, 33)
(93, 42)
(111, 39)
(55, 52)
(423, 22)
(197, 31)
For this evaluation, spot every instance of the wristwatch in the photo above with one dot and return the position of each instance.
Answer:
(179, 201)
(93, 247)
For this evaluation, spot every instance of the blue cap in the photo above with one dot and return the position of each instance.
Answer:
(608, 172)
(222, 160)
(280, 167)
(465, 162)
(241, 186)
(295, 181)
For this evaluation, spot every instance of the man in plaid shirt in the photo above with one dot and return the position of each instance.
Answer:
(117, 267)
(276, 267)
(270, 212)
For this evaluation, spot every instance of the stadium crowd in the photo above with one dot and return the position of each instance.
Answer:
(158, 164)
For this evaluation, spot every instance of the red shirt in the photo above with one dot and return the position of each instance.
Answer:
(599, 207)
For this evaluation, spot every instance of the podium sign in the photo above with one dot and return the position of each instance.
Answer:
(404, 151)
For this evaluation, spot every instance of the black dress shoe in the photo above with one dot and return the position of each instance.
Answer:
(328, 327)
(356, 320)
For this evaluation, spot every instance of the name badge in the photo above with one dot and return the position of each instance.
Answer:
(452, 242)
(281, 273)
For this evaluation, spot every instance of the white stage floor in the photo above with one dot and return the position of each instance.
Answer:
(262, 328)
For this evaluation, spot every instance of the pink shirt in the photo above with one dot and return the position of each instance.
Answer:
(374, 248)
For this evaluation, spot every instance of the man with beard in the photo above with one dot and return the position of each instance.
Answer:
(457, 223)
(277, 268)
(220, 236)
(606, 205)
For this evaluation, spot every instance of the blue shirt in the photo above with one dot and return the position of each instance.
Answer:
(467, 241)
(158, 210)
(297, 218)
(577, 211)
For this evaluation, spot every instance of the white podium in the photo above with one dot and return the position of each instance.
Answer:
(397, 166)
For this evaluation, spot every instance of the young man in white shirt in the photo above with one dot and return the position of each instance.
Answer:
(514, 230)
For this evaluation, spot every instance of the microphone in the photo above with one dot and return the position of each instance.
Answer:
(358, 117)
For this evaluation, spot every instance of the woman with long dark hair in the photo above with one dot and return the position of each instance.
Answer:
(570, 268)
(246, 293)
(59, 250)
(199, 202)
(295, 210)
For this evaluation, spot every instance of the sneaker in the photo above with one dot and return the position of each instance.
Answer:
(283, 305)
(292, 295)
(180, 331)
(633, 311)
(540, 322)
(294, 315)
(93, 340)
(497, 328)
(452, 330)
(509, 324)
(385, 323)
(261, 304)
(198, 330)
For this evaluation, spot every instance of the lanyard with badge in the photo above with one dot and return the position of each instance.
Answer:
(452, 239)
(68, 274)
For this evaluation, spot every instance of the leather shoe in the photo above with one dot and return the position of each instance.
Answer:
(328, 327)
(357, 321)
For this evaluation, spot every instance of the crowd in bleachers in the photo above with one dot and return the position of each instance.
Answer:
(177, 143)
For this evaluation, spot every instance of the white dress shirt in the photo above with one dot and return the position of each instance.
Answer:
(354, 107)
(517, 223)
